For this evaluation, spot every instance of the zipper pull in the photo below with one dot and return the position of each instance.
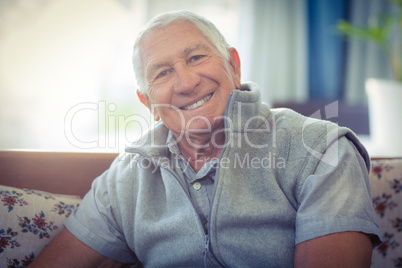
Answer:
(206, 249)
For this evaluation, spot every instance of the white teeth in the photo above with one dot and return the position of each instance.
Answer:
(198, 103)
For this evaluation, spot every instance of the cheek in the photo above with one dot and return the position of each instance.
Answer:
(237, 82)
(159, 96)
(228, 74)
(169, 113)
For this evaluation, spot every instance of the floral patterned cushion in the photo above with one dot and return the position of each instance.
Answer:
(386, 190)
(29, 220)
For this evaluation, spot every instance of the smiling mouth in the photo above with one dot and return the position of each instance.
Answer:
(197, 104)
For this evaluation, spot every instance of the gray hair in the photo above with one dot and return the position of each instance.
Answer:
(162, 21)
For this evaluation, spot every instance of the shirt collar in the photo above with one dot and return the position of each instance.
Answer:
(171, 143)
(207, 168)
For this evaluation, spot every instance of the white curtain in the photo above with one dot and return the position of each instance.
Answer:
(273, 48)
(364, 60)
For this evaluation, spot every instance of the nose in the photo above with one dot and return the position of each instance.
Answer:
(186, 80)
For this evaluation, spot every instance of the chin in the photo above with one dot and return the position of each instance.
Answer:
(207, 124)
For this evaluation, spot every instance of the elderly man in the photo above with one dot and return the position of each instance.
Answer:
(222, 180)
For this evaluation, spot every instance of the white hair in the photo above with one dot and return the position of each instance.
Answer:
(162, 21)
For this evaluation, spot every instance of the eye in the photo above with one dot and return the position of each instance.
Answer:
(195, 58)
(163, 74)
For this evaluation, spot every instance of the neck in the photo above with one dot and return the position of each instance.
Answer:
(199, 149)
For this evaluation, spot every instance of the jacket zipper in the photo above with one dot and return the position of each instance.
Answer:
(206, 249)
(206, 236)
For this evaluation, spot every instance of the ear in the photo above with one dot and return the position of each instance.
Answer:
(145, 100)
(235, 64)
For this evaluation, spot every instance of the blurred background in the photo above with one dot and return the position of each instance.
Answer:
(66, 79)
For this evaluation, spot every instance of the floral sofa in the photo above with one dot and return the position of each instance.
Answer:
(38, 191)
(386, 191)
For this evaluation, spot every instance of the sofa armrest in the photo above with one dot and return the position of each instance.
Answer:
(55, 172)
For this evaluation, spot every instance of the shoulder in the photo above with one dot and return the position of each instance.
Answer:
(303, 135)
(306, 140)
(298, 123)
(308, 134)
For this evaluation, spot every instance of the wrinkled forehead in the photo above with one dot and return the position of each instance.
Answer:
(174, 38)
(172, 28)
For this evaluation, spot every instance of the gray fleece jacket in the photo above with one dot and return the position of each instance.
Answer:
(144, 213)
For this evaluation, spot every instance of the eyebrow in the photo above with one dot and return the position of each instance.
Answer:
(186, 52)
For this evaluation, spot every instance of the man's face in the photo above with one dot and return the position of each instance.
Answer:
(188, 80)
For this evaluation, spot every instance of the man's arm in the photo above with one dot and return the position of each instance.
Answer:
(345, 249)
(66, 250)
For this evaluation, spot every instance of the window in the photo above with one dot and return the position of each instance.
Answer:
(66, 76)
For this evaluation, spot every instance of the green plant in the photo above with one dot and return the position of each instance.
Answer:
(385, 30)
